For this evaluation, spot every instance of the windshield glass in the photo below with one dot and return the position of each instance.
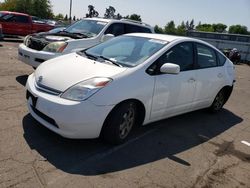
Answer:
(2, 14)
(87, 27)
(128, 51)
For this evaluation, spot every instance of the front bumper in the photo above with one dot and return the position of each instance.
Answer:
(33, 57)
(70, 119)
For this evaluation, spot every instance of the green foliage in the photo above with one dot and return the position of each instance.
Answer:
(158, 29)
(181, 29)
(59, 17)
(110, 12)
(39, 8)
(238, 29)
(189, 26)
(92, 12)
(204, 27)
(219, 27)
(135, 17)
(170, 28)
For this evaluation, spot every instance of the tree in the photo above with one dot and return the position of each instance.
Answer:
(66, 17)
(9, 5)
(110, 12)
(219, 27)
(135, 17)
(92, 12)
(158, 29)
(39, 8)
(238, 29)
(59, 16)
(170, 28)
(189, 26)
(204, 27)
(181, 29)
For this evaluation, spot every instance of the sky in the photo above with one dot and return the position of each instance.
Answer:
(160, 12)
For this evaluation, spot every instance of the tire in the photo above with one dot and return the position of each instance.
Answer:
(218, 102)
(119, 123)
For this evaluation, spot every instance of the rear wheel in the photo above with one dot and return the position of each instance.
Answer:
(219, 101)
(119, 123)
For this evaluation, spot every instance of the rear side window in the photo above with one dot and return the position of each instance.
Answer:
(206, 56)
(116, 29)
(129, 28)
(21, 19)
(16, 18)
(221, 59)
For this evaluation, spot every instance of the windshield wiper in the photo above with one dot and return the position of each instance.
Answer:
(94, 57)
(82, 34)
(90, 56)
(110, 60)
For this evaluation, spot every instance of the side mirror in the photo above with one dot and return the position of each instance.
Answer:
(170, 68)
(107, 37)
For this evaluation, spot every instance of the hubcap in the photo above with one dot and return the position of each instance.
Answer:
(126, 125)
(219, 101)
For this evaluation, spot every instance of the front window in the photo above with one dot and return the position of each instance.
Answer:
(90, 28)
(128, 51)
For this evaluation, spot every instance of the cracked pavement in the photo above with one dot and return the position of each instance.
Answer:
(197, 149)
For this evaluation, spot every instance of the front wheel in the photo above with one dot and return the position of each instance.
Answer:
(119, 123)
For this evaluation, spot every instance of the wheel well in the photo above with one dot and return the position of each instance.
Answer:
(227, 91)
(139, 108)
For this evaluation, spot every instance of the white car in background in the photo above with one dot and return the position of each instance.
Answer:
(131, 79)
(83, 34)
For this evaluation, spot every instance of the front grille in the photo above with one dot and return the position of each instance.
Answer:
(46, 89)
(44, 117)
(36, 43)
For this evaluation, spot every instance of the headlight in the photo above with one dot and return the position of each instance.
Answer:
(85, 89)
(55, 47)
(26, 40)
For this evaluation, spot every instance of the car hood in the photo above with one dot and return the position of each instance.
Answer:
(65, 71)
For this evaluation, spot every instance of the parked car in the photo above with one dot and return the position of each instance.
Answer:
(1, 33)
(19, 24)
(83, 34)
(132, 79)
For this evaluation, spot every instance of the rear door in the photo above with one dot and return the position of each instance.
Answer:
(174, 94)
(210, 76)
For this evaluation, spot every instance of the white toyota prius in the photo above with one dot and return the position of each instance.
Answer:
(134, 79)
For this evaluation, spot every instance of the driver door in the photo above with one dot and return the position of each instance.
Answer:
(174, 93)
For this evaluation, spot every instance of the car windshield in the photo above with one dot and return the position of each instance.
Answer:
(127, 51)
(90, 28)
(2, 14)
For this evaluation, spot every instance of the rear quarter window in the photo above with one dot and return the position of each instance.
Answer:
(129, 28)
(221, 59)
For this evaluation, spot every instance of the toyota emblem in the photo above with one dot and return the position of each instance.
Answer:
(40, 79)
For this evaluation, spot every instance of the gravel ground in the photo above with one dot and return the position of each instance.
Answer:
(197, 149)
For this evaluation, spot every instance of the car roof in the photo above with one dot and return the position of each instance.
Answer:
(16, 13)
(167, 38)
(120, 21)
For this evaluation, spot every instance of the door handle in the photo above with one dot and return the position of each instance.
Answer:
(220, 75)
(191, 80)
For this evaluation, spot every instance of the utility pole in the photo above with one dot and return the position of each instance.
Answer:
(70, 9)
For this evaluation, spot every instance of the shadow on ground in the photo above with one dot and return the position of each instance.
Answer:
(147, 144)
